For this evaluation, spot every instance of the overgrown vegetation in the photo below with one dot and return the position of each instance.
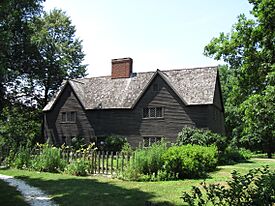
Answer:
(158, 162)
(49, 160)
(78, 167)
(190, 161)
(112, 143)
(201, 137)
(257, 187)
(146, 163)
(228, 152)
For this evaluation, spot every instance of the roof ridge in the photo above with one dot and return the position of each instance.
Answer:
(76, 80)
(191, 68)
(143, 72)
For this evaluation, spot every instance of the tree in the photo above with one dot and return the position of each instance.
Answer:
(19, 125)
(38, 51)
(249, 51)
(60, 53)
(259, 117)
(16, 53)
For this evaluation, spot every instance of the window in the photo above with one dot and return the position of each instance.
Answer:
(64, 116)
(159, 112)
(68, 116)
(145, 112)
(152, 112)
(148, 141)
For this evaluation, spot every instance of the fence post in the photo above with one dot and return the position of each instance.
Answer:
(103, 162)
(98, 162)
(94, 157)
(91, 161)
(117, 158)
(112, 159)
(122, 161)
(107, 162)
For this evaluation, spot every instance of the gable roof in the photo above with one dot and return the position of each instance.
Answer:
(193, 86)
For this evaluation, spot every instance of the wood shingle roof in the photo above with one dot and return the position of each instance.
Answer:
(194, 86)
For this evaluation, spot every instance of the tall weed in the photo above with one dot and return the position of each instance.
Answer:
(49, 160)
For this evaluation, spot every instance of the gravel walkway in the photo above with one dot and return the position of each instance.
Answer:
(32, 195)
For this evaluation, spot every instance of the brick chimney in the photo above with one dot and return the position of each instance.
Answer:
(122, 68)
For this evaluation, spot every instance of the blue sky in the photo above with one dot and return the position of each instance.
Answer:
(157, 34)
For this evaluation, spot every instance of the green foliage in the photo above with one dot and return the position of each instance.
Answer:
(18, 126)
(78, 142)
(201, 137)
(22, 159)
(49, 160)
(146, 163)
(258, 121)
(257, 187)
(113, 143)
(127, 149)
(60, 52)
(78, 167)
(190, 161)
(249, 78)
(17, 52)
(233, 155)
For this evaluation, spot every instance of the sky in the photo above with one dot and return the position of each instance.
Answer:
(156, 34)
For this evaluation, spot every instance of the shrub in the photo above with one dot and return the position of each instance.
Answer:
(233, 155)
(22, 159)
(196, 136)
(78, 167)
(127, 149)
(113, 143)
(146, 163)
(49, 160)
(257, 187)
(190, 161)
(78, 142)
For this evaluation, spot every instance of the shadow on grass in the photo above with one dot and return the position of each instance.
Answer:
(10, 196)
(80, 191)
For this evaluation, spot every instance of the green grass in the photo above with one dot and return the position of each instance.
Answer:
(98, 190)
(9, 196)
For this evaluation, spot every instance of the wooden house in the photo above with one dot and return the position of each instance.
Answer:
(141, 106)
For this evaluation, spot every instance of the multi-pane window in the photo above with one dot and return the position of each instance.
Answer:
(64, 116)
(68, 116)
(148, 141)
(153, 112)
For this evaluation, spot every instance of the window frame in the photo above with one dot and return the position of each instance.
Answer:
(147, 141)
(148, 113)
(68, 117)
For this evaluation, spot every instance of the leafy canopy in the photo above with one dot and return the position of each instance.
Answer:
(249, 51)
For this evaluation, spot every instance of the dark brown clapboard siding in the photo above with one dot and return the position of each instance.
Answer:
(216, 115)
(129, 122)
(68, 102)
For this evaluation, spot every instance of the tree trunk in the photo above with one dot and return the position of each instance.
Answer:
(270, 146)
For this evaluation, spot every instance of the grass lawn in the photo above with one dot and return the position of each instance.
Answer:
(98, 190)
(9, 196)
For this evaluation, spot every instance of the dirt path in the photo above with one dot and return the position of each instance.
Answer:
(32, 195)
